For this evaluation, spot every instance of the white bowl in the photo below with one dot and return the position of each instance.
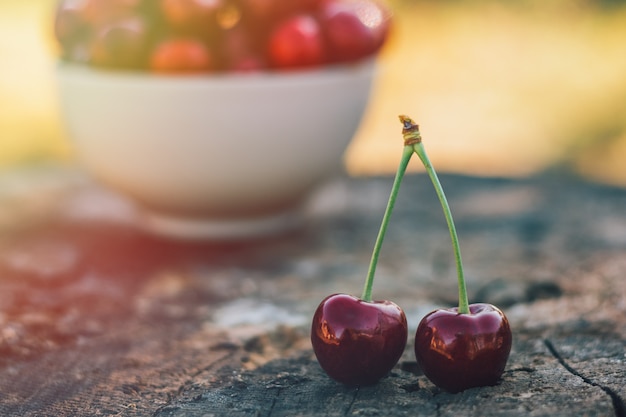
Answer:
(225, 155)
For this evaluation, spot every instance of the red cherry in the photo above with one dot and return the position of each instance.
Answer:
(358, 342)
(297, 43)
(461, 351)
(354, 28)
(239, 52)
(181, 55)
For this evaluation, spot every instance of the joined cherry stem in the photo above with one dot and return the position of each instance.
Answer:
(413, 139)
(413, 144)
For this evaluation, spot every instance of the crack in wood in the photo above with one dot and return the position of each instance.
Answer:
(618, 403)
(349, 409)
(274, 400)
(520, 369)
(181, 389)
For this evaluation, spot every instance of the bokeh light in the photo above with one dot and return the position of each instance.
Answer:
(499, 88)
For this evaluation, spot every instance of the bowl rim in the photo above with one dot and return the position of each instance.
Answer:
(83, 69)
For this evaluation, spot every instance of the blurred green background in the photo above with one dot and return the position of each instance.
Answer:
(506, 88)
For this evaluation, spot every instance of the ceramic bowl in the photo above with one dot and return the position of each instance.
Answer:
(224, 155)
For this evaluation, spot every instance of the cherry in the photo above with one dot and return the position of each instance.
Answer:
(181, 55)
(296, 43)
(239, 53)
(467, 346)
(354, 28)
(121, 44)
(460, 351)
(70, 27)
(261, 17)
(357, 342)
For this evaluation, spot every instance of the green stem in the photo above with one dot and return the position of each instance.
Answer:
(413, 138)
(463, 302)
(369, 282)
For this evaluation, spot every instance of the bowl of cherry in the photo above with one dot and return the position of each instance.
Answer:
(218, 118)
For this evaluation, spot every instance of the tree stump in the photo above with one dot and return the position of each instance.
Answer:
(100, 318)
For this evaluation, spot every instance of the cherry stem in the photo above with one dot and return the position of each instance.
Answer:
(369, 282)
(413, 138)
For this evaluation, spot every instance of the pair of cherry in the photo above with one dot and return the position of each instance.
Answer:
(357, 341)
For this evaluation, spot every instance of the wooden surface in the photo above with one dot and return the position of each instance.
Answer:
(98, 318)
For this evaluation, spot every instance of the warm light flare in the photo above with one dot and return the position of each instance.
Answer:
(30, 126)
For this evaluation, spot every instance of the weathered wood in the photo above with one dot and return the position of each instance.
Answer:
(99, 318)
(297, 386)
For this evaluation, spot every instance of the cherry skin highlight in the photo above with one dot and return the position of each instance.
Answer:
(358, 342)
(460, 351)
(297, 43)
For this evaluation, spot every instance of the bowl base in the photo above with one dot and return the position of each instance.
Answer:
(221, 229)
